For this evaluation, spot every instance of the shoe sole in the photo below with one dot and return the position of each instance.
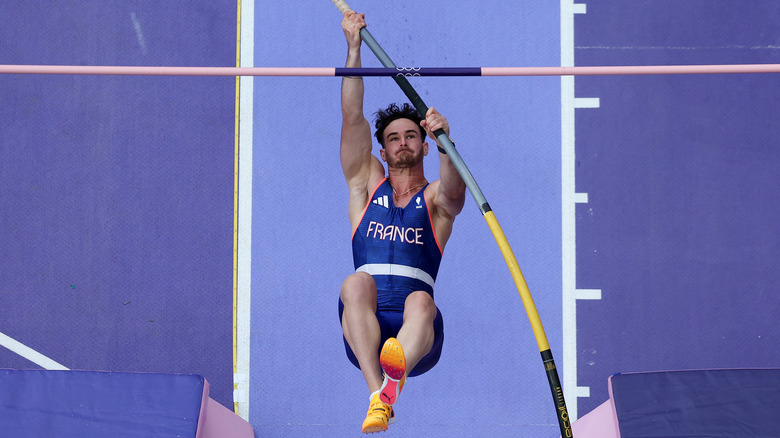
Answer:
(393, 364)
(378, 428)
(375, 429)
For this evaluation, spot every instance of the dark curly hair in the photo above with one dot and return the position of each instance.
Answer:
(393, 112)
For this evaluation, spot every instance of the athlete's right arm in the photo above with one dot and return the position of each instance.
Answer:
(355, 129)
(360, 167)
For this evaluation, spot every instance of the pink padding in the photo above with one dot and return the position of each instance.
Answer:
(222, 422)
(203, 407)
(598, 423)
(612, 403)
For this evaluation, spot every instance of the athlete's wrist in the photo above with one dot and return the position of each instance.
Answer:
(441, 149)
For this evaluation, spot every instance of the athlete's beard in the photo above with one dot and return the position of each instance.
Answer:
(406, 160)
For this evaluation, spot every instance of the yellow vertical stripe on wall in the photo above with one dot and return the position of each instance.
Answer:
(235, 200)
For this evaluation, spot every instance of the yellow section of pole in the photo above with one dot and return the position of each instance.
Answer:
(517, 276)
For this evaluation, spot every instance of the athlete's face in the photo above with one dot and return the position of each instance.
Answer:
(404, 146)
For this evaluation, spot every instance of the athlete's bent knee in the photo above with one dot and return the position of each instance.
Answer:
(358, 287)
(421, 302)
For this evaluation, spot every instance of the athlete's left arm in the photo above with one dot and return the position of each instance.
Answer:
(450, 192)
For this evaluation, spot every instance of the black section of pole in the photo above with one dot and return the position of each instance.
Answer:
(557, 393)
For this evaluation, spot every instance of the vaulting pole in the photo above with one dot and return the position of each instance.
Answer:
(530, 308)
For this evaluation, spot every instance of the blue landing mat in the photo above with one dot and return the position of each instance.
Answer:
(724, 403)
(85, 404)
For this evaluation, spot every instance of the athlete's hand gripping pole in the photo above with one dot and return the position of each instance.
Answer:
(498, 234)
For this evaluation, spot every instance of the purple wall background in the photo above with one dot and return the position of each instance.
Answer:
(116, 206)
(680, 231)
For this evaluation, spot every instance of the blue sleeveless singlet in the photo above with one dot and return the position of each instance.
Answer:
(397, 246)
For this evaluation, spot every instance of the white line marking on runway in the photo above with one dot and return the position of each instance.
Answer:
(587, 102)
(588, 294)
(569, 199)
(30, 354)
(244, 262)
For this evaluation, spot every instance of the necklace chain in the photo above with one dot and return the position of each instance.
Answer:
(410, 189)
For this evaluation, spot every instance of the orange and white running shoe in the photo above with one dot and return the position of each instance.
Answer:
(379, 415)
(393, 364)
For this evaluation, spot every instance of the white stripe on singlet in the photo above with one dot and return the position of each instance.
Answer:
(400, 270)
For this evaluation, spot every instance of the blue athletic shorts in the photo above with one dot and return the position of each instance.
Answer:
(390, 322)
